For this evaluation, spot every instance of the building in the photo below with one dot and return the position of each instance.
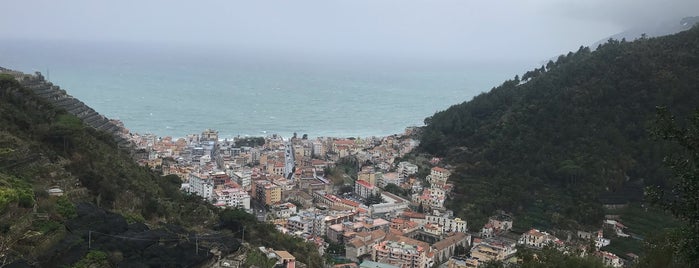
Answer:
(364, 189)
(610, 259)
(446, 248)
(242, 178)
(232, 197)
(266, 192)
(338, 232)
(300, 224)
(285, 259)
(392, 203)
(458, 262)
(448, 223)
(433, 198)
(438, 175)
(201, 185)
(284, 211)
(209, 135)
(403, 252)
(362, 243)
(497, 224)
(406, 169)
(367, 174)
(492, 249)
(538, 239)
(372, 264)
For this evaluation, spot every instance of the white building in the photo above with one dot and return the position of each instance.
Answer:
(448, 224)
(232, 197)
(406, 169)
(242, 178)
(201, 185)
(538, 239)
(318, 149)
(284, 211)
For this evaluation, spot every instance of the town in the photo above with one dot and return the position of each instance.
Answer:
(391, 215)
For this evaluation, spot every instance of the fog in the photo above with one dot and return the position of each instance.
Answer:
(532, 30)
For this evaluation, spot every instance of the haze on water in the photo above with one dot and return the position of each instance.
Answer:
(325, 68)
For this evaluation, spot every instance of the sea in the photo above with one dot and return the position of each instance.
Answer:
(175, 91)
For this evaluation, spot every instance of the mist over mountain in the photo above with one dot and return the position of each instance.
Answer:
(653, 29)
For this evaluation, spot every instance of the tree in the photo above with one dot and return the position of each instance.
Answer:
(682, 197)
(395, 189)
(373, 199)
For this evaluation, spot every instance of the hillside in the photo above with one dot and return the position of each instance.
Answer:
(112, 211)
(568, 137)
(105, 192)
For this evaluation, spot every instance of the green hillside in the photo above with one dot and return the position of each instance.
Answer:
(568, 137)
(113, 212)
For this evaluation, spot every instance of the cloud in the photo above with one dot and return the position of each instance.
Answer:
(447, 29)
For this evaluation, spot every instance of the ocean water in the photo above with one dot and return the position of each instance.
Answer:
(175, 92)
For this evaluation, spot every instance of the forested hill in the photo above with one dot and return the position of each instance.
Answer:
(569, 136)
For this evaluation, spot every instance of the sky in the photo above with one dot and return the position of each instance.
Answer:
(405, 29)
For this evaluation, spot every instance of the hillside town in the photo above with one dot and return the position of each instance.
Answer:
(357, 221)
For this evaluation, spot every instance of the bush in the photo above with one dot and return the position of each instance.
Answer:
(66, 208)
(94, 258)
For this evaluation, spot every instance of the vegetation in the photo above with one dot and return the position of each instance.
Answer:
(345, 171)
(255, 258)
(680, 198)
(42, 147)
(249, 141)
(94, 258)
(264, 234)
(373, 199)
(571, 136)
(551, 257)
(396, 190)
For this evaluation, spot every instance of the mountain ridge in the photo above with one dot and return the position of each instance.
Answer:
(550, 145)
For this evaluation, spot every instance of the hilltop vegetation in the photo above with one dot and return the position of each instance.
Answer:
(556, 145)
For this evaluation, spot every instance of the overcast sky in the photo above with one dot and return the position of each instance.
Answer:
(489, 29)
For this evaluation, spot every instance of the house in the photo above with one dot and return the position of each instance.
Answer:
(497, 224)
(610, 259)
(285, 259)
(600, 241)
(438, 176)
(617, 226)
(538, 239)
